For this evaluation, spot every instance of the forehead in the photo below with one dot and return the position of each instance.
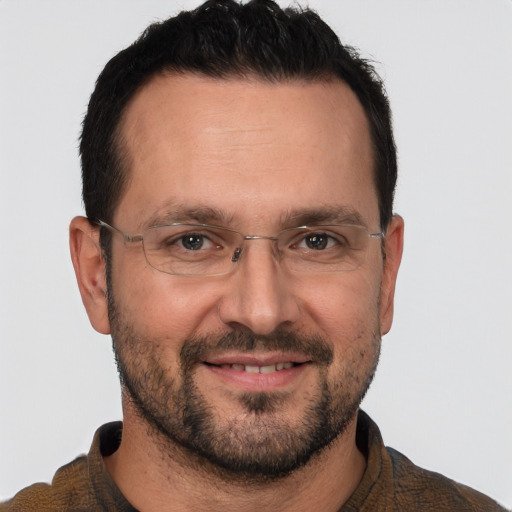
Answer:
(246, 148)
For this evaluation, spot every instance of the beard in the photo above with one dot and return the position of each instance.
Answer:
(259, 445)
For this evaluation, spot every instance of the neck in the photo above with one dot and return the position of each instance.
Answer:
(152, 480)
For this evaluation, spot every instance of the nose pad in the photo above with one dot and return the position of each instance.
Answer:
(236, 255)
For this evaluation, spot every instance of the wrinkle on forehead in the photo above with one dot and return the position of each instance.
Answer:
(223, 120)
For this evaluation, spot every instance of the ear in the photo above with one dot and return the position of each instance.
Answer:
(89, 268)
(394, 243)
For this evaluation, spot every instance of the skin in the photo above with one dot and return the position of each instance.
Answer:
(256, 153)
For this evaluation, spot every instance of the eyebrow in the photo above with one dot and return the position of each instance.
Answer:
(328, 214)
(332, 214)
(172, 213)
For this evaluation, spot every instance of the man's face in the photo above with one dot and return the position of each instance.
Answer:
(194, 352)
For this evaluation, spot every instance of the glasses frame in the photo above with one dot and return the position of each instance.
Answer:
(132, 239)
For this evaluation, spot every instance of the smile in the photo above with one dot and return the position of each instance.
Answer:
(271, 368)
(258, 371)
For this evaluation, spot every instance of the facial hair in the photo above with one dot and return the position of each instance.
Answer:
(260, 445)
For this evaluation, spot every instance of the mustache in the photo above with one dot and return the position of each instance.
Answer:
(196, 348)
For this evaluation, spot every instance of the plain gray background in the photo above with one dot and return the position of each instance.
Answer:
(443, 392)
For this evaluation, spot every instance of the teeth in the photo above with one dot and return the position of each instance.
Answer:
(257, 369)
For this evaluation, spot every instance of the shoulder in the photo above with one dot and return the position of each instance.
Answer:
(392, 482)
(420, 488)
(69, 488)
(81, 485)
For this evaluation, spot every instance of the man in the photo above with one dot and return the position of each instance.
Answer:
(240, 248)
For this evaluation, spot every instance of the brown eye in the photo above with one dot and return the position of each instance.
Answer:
(317, 241)
(192, 241)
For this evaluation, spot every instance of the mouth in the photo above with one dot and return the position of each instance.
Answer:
(251, 368)
(258, 372)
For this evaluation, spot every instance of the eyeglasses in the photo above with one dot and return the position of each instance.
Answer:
(205, 250)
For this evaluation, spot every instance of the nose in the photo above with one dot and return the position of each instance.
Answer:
(260, 295)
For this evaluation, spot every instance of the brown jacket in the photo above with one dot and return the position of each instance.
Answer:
(391, 483)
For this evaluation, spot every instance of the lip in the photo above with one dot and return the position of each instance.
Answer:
(257, 359)
(279, 380)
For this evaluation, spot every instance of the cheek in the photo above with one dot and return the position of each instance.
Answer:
(344, 306)
(157, 305)
(347, 313)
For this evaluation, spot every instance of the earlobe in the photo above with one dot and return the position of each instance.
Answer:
(89, 268)
(394, 243)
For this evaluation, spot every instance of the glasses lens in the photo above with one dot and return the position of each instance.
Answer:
(337, 248)
(198, 250)
(189, 249)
